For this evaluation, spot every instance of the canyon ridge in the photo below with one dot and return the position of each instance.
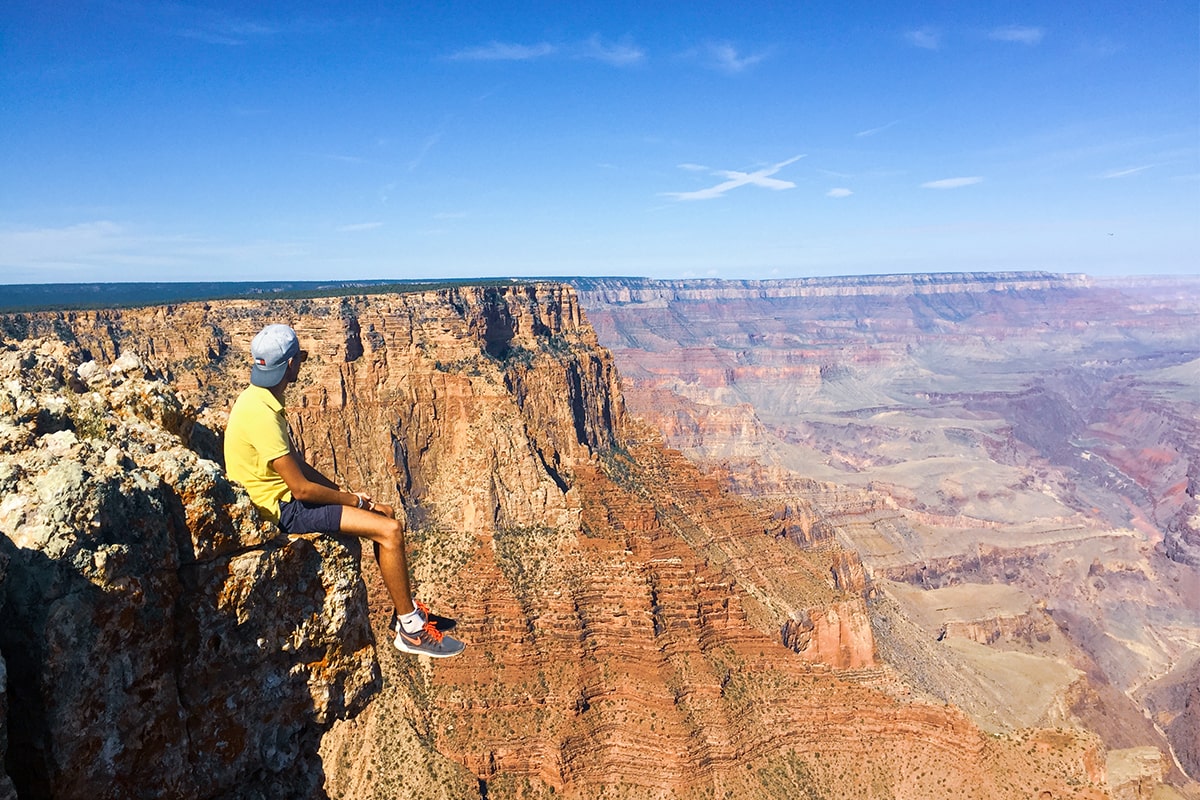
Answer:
(758, 607)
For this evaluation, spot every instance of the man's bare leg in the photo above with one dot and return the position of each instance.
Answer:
(417, 631)
(387, 536)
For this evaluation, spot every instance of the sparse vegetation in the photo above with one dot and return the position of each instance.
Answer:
(525, 556)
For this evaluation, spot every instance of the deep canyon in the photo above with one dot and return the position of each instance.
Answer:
(920, 537)
(1015, 458)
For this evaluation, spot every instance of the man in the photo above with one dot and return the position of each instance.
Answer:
(259, 455)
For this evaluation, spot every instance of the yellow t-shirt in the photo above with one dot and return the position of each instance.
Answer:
(257, 434)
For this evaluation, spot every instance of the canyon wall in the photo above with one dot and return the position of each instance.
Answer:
(1020, 430)
(634, 629)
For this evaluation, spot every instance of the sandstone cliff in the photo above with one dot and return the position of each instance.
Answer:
(634, 630)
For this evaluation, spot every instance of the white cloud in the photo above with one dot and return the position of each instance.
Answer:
(503, 51)
(621, 54)
(1124, 173)
(618, 54)
(926, 38)
(1018, 33)
(359, 226)
(225, 32)
(62, 245)
(429, 143)
(694, 167)
(762, 178)
(219, 27)
(208, 37)
(103, 246)
(951, 183)
(873, 131)
(839, 192)
(726, 58)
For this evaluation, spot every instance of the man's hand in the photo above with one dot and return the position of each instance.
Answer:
(367, 504)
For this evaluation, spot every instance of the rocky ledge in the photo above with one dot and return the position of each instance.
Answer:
(158, 639)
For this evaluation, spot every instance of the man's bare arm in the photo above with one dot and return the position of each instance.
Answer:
(294, 473)
(314, 474)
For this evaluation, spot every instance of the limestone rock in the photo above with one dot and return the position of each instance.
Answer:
(160, 640)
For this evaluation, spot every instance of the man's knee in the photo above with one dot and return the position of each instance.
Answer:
(391, 534)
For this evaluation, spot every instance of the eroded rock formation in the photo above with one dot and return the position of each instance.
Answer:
(1025, 430)
(633, 628)
(159, 640)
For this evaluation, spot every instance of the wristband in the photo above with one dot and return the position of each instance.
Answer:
(360, 500)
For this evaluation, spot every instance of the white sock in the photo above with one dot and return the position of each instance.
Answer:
(413, 621)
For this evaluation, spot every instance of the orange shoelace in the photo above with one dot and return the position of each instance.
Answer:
(429, 626)
(433, 632)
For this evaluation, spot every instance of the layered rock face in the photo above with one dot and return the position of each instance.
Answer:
(634, 630)
(977, 431)
(159, 640)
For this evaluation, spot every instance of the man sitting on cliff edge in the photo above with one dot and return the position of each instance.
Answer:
(259, 455)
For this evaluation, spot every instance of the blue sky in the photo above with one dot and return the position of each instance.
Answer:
(272, 141)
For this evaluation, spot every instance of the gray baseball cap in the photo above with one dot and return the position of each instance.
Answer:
(271, 350)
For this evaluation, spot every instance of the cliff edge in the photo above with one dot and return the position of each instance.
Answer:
(159, 640)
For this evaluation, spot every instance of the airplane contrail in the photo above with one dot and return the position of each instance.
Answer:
(760, 178)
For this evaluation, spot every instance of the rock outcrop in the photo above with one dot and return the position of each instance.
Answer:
(1184, 730)
(159, 640)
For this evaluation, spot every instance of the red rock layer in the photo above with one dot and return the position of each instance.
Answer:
(646, 659)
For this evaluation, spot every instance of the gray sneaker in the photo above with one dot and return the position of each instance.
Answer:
(428, 641)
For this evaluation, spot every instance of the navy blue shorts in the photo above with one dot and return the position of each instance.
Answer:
(298, 517)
